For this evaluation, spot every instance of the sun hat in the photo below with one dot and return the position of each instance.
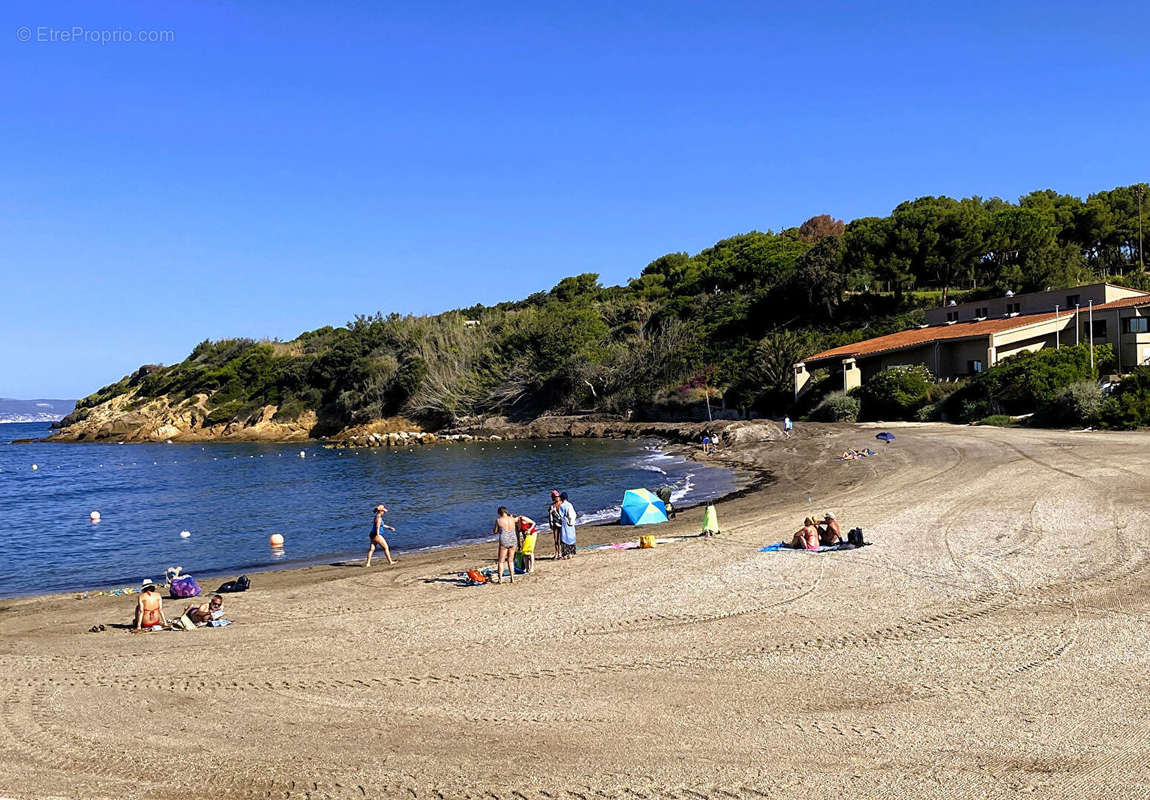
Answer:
(554, 492)
(380, 507)
(830, 515)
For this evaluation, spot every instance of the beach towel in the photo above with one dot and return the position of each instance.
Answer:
(824, 548)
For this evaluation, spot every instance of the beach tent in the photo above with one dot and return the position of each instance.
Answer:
(641, 507)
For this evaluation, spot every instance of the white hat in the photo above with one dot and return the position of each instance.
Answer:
(830, 515)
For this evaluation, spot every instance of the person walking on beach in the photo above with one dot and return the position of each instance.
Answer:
(149, 610)
(555, 521)
(505, 525)
(376, 538)
(567, 526)
(787, 427)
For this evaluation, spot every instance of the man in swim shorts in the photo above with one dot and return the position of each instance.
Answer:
(830, 532)
(202, 614)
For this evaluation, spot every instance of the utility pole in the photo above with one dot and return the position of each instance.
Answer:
(1090, 317)
(1141, 190)
(1057, 330)
(1076, 329)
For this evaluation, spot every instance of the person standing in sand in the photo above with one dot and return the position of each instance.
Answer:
(376, 538)
(505, 524)
(567, 526)
(555, 521)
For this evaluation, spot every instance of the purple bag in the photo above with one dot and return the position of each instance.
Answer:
(184, 586)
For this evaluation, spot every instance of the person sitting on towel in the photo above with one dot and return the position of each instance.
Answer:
(202, 614)
(806, 537)
(149, 610)
(830, 532)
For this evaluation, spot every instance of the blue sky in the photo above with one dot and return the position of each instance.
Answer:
(275, 167)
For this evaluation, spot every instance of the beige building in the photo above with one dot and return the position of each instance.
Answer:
(962, 340)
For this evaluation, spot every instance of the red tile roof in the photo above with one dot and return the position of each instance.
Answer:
(957, 330)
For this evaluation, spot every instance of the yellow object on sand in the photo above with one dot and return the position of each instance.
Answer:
(710, 520)
(529, 543)
(647, 542)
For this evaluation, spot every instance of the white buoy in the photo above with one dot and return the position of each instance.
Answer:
(302, 454)
(94, 516)
(35, 467)
(185, 534)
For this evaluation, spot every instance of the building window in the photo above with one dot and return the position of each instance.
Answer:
(973, 367)
(1099, 329)
(1136, 325)
(1013, 308)
(982, 311)
(1072, 300)
(952, 316)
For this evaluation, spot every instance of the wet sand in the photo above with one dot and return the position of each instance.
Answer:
(992, 643)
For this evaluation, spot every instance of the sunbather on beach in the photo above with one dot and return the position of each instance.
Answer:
(149, 609)
(505, 530)
(202, 614)
(806, 537)
(376, 538)
(829, 531)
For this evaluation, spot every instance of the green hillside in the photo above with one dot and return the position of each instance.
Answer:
(731, 319)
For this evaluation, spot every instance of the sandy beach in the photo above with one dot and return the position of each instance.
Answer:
(991, 643)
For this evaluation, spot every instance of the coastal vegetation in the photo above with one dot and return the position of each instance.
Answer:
(723, 326)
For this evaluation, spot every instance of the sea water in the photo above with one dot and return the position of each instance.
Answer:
(230, 497)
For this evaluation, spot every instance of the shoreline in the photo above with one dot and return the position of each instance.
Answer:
(747, 479)
(981, 616)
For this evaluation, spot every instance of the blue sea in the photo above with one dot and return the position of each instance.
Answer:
(231, 497)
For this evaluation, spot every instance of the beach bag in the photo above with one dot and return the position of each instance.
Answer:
(855, 537)
(647, 542)
(474, 578)
(184, 586)
(519, 561)
(240, 584)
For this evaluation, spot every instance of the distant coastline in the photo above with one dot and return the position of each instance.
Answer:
(36, 410)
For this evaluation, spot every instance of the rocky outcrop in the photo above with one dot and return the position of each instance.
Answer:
(124, 418)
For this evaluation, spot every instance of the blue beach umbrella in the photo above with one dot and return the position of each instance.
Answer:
(641, 507)
(886, 437)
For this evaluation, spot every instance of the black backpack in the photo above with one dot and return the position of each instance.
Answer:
(855, 537)
(240, 584)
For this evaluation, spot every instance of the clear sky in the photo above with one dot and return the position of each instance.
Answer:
(271, 167)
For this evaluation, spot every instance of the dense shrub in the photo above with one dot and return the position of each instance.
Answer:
(1023, 383)
(896, 393)
(1078, 404)
(1129, 405)
(997, 421)
(837, 407)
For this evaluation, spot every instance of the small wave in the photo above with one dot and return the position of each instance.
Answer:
(601, 515)
(685, 489)
(651, 468)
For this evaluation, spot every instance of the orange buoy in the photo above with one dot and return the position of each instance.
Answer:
(276, 539)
